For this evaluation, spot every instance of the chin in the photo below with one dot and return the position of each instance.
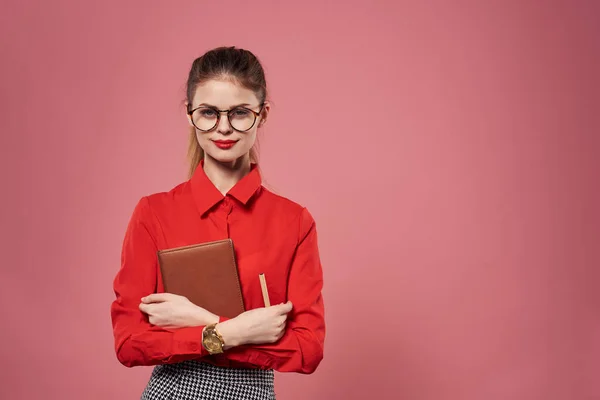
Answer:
(226, 157)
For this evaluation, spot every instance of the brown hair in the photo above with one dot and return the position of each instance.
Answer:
(224, 63)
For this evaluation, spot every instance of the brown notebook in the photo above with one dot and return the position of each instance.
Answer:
(206, 274)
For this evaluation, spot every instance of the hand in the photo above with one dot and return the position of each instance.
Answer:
(169, 310)
(257, 326)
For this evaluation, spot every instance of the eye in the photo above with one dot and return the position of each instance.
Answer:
(240, 112)
(207, 113)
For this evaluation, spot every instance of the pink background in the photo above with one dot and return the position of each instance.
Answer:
(448, 151)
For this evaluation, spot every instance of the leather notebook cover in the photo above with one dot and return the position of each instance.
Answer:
(206, 274)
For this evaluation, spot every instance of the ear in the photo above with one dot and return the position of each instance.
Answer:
(264, 113)
(188, 117)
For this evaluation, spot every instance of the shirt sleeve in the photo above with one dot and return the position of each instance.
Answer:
(301, 347)
(137, 342)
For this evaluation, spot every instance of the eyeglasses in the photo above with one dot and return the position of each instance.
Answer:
(241, 119)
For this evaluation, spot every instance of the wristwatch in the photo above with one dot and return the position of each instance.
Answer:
(212, 340)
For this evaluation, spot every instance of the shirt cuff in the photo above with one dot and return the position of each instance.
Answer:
(189, 341)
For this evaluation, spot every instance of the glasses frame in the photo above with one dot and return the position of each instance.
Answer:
(219, 112)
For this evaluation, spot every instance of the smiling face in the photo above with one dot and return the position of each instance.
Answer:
(223, 143)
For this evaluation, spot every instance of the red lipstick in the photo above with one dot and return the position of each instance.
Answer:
(225, 144)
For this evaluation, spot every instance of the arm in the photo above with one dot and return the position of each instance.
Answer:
(301, 347)
(137, 342)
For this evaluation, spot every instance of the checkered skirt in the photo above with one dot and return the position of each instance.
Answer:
(196, 380)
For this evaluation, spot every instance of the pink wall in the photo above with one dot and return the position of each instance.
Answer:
(448, 152)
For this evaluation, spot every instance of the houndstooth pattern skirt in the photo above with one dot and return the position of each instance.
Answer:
(195, 380)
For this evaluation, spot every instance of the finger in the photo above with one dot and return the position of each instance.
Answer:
(158, 322)
(149, 309)
(279, 334)
(157, 298)
(285, 308)
(145, 308)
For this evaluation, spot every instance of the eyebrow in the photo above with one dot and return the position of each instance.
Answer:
(213, 106)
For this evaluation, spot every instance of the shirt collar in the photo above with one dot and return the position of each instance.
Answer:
(206, 195)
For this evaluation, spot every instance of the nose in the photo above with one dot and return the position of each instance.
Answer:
(223, 126)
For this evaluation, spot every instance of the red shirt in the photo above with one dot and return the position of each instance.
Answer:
(271, 234)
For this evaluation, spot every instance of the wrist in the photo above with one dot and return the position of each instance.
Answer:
(199, 318)
(230, 334)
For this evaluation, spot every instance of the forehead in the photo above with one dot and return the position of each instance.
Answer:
(223, 94)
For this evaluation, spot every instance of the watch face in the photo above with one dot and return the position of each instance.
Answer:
(212, 343)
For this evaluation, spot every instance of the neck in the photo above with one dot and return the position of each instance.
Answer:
(225, 175)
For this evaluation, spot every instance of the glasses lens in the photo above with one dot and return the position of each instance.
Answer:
(241, 119)
(205, 118)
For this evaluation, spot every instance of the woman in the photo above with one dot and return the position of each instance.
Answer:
(223, 198)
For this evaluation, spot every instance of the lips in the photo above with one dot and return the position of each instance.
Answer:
(225, 144)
